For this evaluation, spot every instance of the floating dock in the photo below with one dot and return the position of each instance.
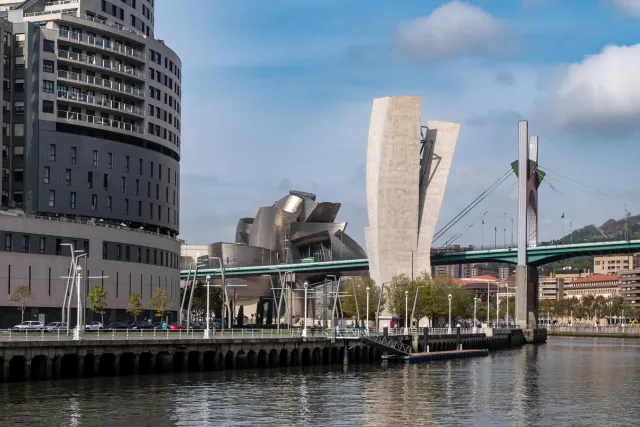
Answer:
(436, 355)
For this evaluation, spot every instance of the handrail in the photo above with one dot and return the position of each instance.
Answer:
(70, 115)
(103, 22)
(97, 81)
(101, 101)
(60, 2)
(102, 63)
(101, 43)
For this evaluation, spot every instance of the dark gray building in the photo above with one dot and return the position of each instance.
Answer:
(90, 150)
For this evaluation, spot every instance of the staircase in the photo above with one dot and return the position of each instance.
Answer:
(389, 344)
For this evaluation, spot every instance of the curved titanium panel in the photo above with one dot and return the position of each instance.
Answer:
(243, 229)
(269, 227)
(324, 212)
(291, 204)
(303, 194)
(239, 255)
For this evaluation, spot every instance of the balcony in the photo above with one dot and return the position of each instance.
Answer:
(99, 43)
(101, 83)
(60, 3)
(101, 63)
(101, 102)
(103, 22)
(99, 122)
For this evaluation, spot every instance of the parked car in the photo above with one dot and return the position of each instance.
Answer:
(94, 326)
(30, 325)
(117, 325)
(175, 327)
(142, 324)
(56, 327)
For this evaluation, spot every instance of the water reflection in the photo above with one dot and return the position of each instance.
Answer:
(565, 382)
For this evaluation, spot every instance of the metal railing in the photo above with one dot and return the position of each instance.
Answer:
(100, 43)
(102, 83)
(145, 334)
(102, 102)
(103, 22)
(49, 12)
(101, 63)
(432, 331)
(60, 2)
(68, 115)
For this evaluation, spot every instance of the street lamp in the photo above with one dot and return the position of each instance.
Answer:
(475, 322)
(406, 312)
(207, 331)
(367, 327)
(304, 331)
(449, 296)
(414, 305)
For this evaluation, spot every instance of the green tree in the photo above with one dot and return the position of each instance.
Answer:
(160, 302)
(348, 300)
(98, 301)
(241, 316)
(397, 295)
(134, 307)
(421, 292)
(19, 296)
(511, 304)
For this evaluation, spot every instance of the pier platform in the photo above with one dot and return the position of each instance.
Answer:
(436, 355)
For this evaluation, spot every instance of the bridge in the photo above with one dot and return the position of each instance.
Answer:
(535, 257)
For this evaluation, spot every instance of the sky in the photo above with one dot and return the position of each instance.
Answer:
(277, 95)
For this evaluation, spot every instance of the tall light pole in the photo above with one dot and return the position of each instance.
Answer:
(497, 304)
(482, 235)
(406, 312)
(511, 232)
(488, 305)
(414, 305)
(304, 330)
(475, 321)
(367, 328)
(505, 229)
(207, 331)
(495, 237)
(449, 312)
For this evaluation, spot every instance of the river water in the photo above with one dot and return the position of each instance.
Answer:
(566, 382)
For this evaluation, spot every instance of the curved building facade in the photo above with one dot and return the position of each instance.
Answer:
(91, 140)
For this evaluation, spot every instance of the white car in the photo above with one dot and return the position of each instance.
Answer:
(94, 326)
(56, 327)
(29, 325)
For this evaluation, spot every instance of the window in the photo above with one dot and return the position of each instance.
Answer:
(18, 107)
(126, 164)
(47, 86)
(47, 106)
(151, 170)
(105, 181)
(150, 210)
(104, 250)
(127, 253)
(157, 191)
(18, 129)
(67, 177)
(110, 160)
(123, 185)
(140, 166)
(72, 200)
(126, 206)
(109, 204)
(147, 253)
(52, 152)
(155, 257)
(95, 158)
(52, 198)
(8, 242)
(160, 172)
(149, 189)
(94, 202)
(25, 244)
(90, 179)
(20, 38)
(139, 208)
(42, 248)
(159, 213)
(18, 175)
(48, 66)
(19, 62)
(74, 153)
(137, 187)
(48, 45)
(139, 255)
(18, 151)
(118, 252)
(47, 175)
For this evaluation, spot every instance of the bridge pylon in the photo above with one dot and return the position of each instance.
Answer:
(529, 179)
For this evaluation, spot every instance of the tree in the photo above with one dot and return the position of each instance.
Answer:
(98, 301)
(260, 313)
(134, 307)
(348, 300)
(160, 302)
(511, 303)
(397, 295)
(19, 296)
(241, 316)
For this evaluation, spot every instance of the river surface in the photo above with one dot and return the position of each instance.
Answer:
(566, 382)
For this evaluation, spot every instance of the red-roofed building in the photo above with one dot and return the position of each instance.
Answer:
(479, 285)
(598, 285)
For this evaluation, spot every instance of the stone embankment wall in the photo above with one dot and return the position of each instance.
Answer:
(595, 331)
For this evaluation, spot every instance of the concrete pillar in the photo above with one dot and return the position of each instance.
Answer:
(345, 358)
(136, 364)
(27, 369)
(57, 365)
(6, 372)
(527, 297)
(414, 342)
(96, 364)
(116, 364)
(81, 365)
(49, 368)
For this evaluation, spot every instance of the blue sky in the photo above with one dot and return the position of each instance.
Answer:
(277, 95)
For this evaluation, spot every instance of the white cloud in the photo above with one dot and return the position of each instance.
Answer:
(628, 6)
(453, 29)
(601, 93)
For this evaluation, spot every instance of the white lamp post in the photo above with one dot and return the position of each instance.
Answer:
(207, 331)
(475, 322)
(367, 327)
(304, 330)
(406, 312)
(449, 313)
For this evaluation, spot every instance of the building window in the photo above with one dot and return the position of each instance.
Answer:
(72, 200)
(90, 179)
(137, 187)
(18, 129)
(149, 189)
(18, 107)
(47, 175)
(150, 210)
(127, 253)
(48, 66)
(109, 204)
(140, 166)
(110, 160)
(43, 245)
(151, 170)
(19, 62)
(126, 206)
(52, 152)
(95, 158)
(25, 244)
(138, 255)
(126, 164)
(47, 86)
(160, 172)
(8, 242)
(123, 185)
(94, 202)
(52, 198)
(19, 85)
(48, 45)
(139, 208)
(47, 106)
(104, 250)
(74, 155)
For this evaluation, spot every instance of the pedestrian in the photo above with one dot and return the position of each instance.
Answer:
(164, 327)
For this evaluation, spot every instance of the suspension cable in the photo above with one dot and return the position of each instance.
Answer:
(547, 170)
(471, 205)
